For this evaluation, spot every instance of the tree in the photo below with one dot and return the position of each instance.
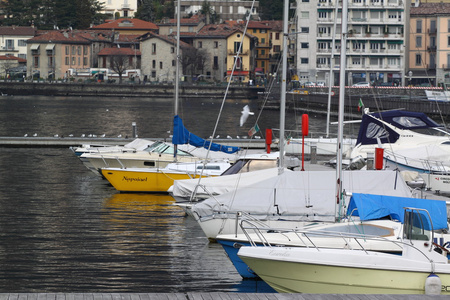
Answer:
(146, 11)
(193, 60)
(119, 64)
(209, 12)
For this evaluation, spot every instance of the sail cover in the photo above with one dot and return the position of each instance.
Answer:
(182, 136)
(371, 207)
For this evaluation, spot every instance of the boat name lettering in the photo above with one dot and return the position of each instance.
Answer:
(277, 253)
(406, 135)
(131, 179)
(446, 288)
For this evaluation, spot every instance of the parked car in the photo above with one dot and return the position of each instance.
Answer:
(309, 83)
(362, 83)
(389, 83)
(320, 83)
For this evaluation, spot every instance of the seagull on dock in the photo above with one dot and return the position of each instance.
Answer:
(103, 135)
(119, 136)
(35, 134)
(25, 135)
(229, 137)
(83, 135)
(245, 113)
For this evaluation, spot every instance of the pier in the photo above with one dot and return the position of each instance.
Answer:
(63, 142)
(206, 296)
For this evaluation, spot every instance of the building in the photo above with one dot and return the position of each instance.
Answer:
(124, 8)
(376, 41)
(244, 63)
(226, 10)
(429, 51)
(127, 26)
(159, 57)
(54, 53)
(188, 26)
(13, 40)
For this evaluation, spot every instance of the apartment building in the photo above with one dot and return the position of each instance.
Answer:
(375, 46)
(429, 52)
(13, 40)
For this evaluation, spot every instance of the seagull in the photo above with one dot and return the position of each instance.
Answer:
(238, 137)
(119, 136)
(103, 135)
(229, 137)
(35, 134)
(56, 136)
(26, 134)
(218, 136)
(70, 135)
(245, 113)
(83, 135)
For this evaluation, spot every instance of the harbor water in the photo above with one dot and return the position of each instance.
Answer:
(64, 229)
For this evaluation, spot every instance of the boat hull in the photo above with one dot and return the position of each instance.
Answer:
(157, 181)
(331, 273)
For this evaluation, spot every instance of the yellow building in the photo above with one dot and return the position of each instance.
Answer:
(243, 55)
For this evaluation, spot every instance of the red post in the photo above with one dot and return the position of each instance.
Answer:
(379, 157)
(305, 129)
(268, 139)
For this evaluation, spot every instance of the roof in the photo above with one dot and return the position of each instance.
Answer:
(430, 9)
(167, 38)
(274, 25)
(119, 51)
(127, 24)
(194, 20)
(216, 30)
(251, 24)
(17, 30)
(11, 57)
(60, 36)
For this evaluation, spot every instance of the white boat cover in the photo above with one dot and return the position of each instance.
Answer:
(219, 185)
(299, 195)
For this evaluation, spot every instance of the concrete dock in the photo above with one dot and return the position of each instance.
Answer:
(206, 296)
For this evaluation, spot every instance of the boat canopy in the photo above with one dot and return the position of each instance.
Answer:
(372, 207)
(372, 125)
(182, 136)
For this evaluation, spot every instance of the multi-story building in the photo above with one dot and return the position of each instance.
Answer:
(226, 10)
(429, 51)
(243, 59)
(375, 44)
(124, 8)
(127, 26)
(13, 40)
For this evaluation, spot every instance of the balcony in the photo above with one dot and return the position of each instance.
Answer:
(232, 52)
(431, 49)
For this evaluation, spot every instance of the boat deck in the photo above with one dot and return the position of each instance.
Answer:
(205, 296)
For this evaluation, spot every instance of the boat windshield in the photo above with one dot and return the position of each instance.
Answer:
(249, 165)
(435, 131)
(164, 148)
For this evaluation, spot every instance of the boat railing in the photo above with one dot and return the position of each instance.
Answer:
(431, 166)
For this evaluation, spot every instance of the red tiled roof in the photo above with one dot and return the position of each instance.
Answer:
(17, 30)
(430, 9)
(11, 57)
(251, 24)
(127, 24)
(171, 39)
(119, 51)
(194, 20)
(274, 25)
(216, 30)
(56, 36)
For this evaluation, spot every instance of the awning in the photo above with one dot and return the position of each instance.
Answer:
(377, 42)
(238, 73)
(49, 47)
(395, 42)
(34, 46)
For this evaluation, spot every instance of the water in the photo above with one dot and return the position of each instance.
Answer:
(64, 229)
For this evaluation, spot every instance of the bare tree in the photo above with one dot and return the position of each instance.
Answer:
(119, 63)
(193, 60)
(7, 65)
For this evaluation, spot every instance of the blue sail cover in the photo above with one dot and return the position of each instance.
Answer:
(182, 136)
(372, 207)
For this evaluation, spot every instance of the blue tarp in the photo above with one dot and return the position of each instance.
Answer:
(372, 207)
(182, 136)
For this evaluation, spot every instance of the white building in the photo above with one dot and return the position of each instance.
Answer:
(13, 40)
(125, 8)
(375, 44)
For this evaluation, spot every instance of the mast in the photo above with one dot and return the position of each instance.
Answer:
(283, 85)
(343, 63)
(177, 71)
(331, 76)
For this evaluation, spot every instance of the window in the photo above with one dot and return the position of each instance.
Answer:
(418, 59)
(67, 61)
(306, 30)
(9, 44)
(74, 50)
(85, 61)
(200, 44)
(418, 41)
(79, 50)
(36, 61)
(216, 44)
(263, 31)
(448, 26)
(67, 50)
(153, 74)
(161, 65)
(153, 48)
(393, 61)
(238, 63)
(263, 40)
(216, 62)
(172, 49)
(85, 50)
(305, 45)
(276, 48)
(74, 61)
(356, 61)
(304, 60)
(236, 46)
(153, 64)
(419, 26)
(323, 15)
(173, 62)
(304, 14)
(277, 35)
(50, 62)
(21, 43)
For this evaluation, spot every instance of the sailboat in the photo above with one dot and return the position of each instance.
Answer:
(160, 179)
(324, 269)
(293, 199)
